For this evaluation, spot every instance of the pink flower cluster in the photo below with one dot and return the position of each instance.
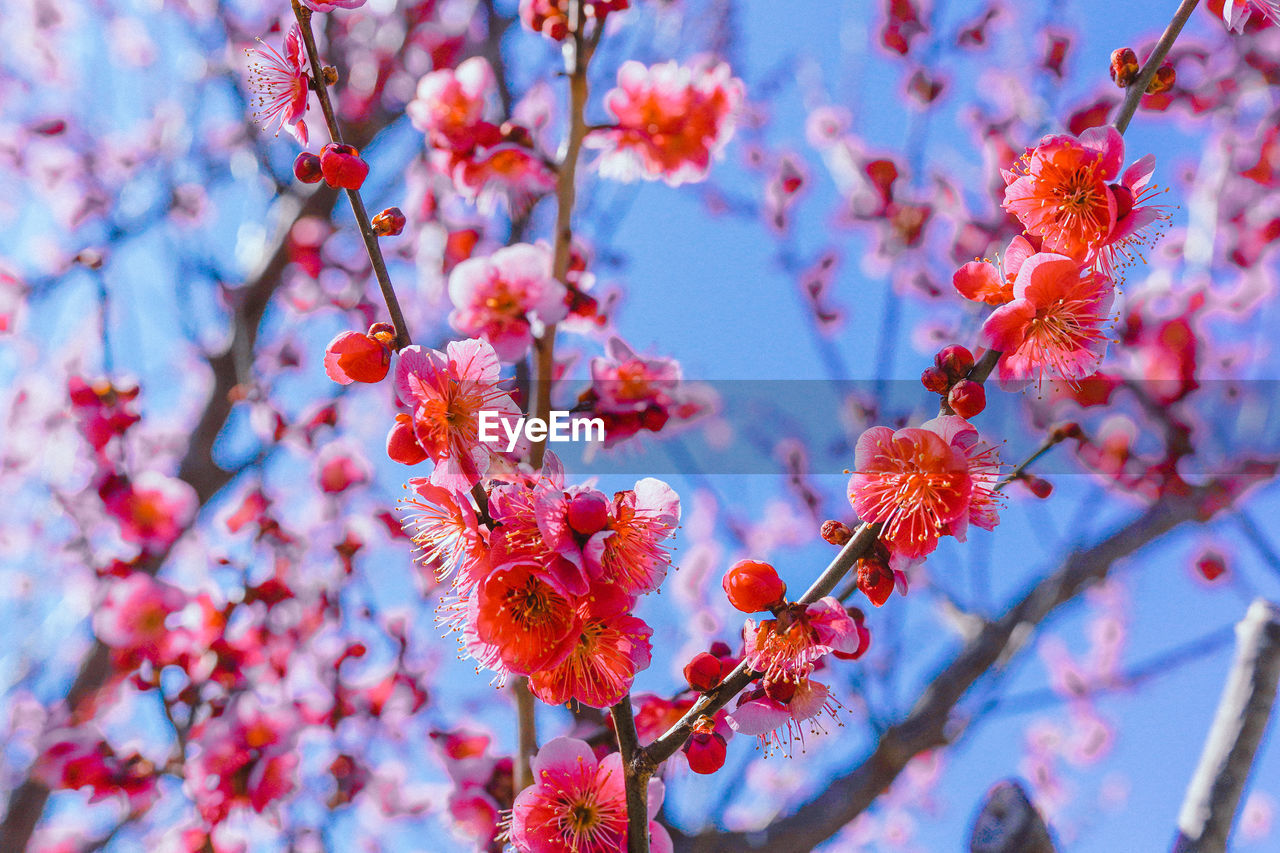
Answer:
(505, 296)
(482, 159)
(546, 585)
(551, 17)
(670, 120)
(245, 757)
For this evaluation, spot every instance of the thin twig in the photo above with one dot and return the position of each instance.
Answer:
(578, 49)
(1133, 95)
(403, 339)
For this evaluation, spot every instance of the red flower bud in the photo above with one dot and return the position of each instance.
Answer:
(935, 380)
(835, 532)
(588, 513)
(1163, 81)
(875, 580)
(1124, 66)
(1211, 565)
(402, 444)
(705, 752)
(955, 361)
(721, 650)
(1039, 487)
(967, 398)
(389, 223)
(655, 417)
(342, 167)
(703, 672)
(355, 357)
(753, 586)
(306, 168)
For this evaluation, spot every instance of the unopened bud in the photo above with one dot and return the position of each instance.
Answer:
(1163, 81)
(1124, 66)
(389, 223)
(836, 532)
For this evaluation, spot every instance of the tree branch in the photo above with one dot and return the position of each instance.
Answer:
(929, 725)
(1209, 809)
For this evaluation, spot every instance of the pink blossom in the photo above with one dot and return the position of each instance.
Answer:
(281, 83)
(1055, 325)
(330, 5)
(450, 105)
(132, 616)
(787, 647)
(578, 803)
(779, 723)
(982, 281)
(640, 519)
(1236, 13)
(612, 647)
(913, 483)
(245, 758)
(624, 382)
(153, 509)
(508, 171)
(79, 758)
(500, 297)
(670, 120)
(524, 512)
(447, 392)
(984, 471)
(445, 531)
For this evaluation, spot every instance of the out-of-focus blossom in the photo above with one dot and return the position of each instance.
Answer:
(501, 296)
(670, 120)
(152, 508)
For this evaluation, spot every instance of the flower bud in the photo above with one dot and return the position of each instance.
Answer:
(355, 357)
(588, 513)
(875, 580)
(1211, 565)
(721, 649)
(705, 752)
(835, 532)
(655, 417)
(1124, 66)
(967, 398)
(306, 168)
(1039, 487)
(342, 167)
(389, 223)
(1163, 81)
(402, 444)
(703, 672)
(955, 361)
(935, 380)
(753, 586)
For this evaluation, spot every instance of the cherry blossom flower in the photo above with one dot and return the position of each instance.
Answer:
(787, 647)
(500, 297)
(984, 471)
(1059, 192)
(640, 519)
(132, 616)
(153, 509)
(1236, 13)
(913, 483)
(670, 120)
(983, 281)
(245, 758)
(523, 514)
(79, 758)
(281, 84)
(529, 619)
(509, 171)
(778, 723)
(1134, 215)
(612, 647)
(447, 392)
(1055, 325)
(445, 531)
(450, 106)
(578, 803)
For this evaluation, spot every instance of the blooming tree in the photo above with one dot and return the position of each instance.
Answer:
(268, 593)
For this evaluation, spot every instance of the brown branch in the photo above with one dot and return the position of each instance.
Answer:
(578, 50)
(527, 731)
(1204, 824)
(637, 778)
(321, 88)
(1133, 95)
(930, 724)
